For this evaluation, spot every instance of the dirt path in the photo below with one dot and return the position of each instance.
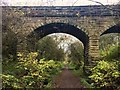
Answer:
(66, 79)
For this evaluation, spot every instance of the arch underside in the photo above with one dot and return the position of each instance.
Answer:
(60, 28)
(114, 29)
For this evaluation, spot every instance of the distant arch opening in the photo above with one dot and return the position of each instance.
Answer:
(61, 47)
(109, 43)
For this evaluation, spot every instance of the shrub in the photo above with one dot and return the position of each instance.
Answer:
(9, 81)
(105, 74)
(112, 53)
(32, 73)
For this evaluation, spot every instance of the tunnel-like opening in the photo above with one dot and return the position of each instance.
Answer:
(61, 47)
(51, 28)
(109, 43)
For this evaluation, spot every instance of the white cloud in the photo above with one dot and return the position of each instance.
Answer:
(57, 2)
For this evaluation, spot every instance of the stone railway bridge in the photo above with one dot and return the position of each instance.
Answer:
(78, 21)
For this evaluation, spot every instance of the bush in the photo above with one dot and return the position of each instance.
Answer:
(105, 74)
(112, 53)
(31, 72)
(9, 81)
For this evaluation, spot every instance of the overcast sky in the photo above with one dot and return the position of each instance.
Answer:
(56, 2)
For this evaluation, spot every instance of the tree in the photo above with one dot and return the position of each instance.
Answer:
(48, 49)
(11, 20)
(76, 53)
(109, 39)
(9, 44)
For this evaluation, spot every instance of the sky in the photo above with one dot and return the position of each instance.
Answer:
(65, 40)
(56, 2)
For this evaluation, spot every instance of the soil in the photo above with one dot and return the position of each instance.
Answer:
(66, 79)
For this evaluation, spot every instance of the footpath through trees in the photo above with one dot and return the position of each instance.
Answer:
(66, 79)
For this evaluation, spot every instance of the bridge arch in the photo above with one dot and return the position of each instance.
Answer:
(113, 29)
(51, 28)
